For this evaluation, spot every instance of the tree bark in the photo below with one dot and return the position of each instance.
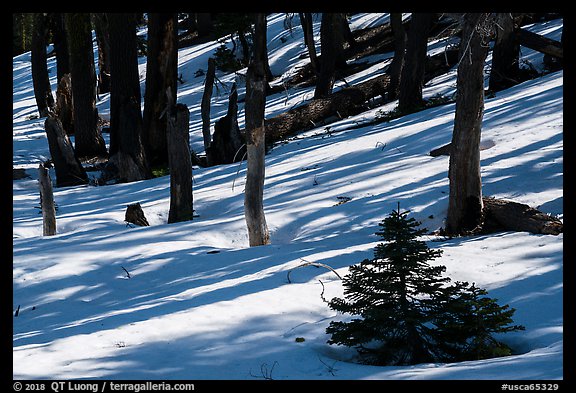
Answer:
(64, 104)
(60, 45)
(255, 138)
(88, 140)
(47, 202)
(205, 107)
(161, 76)
(505, 55)
(126, 147)
(40, 78)
(180, 163)
(69, 171)
(465, 200)
(412, 77)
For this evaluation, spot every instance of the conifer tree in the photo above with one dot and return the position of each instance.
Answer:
(404, 310)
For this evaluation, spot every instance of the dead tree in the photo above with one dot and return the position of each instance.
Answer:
(255, 138)
(227, 145)
(504, 215)
(69, 170)
(180, 164)
(64, 105)
(47, 202)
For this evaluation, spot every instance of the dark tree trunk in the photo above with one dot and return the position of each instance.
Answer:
(227, 144)
(465, 201)
(40, 78)
(88, 140)
(69, 171)
(126, 147)
(103, 40)
(332, 53)
(47, 202)
(347, 35)
(255, 138)
(397, 64)
(412, 77)
(205, 106)
(505, 55)
(161, 76)
(307, 28)
(180, 163)
(60, 45)
(64, 104)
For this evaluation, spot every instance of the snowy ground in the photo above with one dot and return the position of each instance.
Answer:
(199, 304)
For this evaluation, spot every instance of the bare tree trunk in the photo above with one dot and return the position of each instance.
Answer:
(103, 40)
(465, 201)
(180, 163)
(505, 55)
(307, 28)
(69, 171)
(395, 70)
(161, 76)
(412, 78)
(88, 140)
(255, 138)
(47, 202)
(64, 104)
(40, 79)
(60, 45)
(205, 106)
(332, 41)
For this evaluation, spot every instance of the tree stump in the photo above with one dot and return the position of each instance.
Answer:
(47, 202)
(227, 144)
(135, 215)
(180, 163)
(504, 215)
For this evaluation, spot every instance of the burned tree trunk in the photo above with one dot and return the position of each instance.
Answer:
(503, 215)
(69, 170)
(227, 144)
(64, 105)
(47, 202)
(180, 163)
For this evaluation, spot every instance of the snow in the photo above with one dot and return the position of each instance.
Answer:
(192, 301)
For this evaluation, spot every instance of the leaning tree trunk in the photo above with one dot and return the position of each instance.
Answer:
(88, 140)
(69, 170)
(412, 77)
(465, 200)
(161, 76)
(40, 78)
(255, 139)
(180, 163)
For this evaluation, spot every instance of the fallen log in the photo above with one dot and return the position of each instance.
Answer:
(505, 215)
(539, 43)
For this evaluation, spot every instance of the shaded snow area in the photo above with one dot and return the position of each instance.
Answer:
(192, 301)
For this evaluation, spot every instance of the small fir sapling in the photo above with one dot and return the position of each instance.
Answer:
(404, 312)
